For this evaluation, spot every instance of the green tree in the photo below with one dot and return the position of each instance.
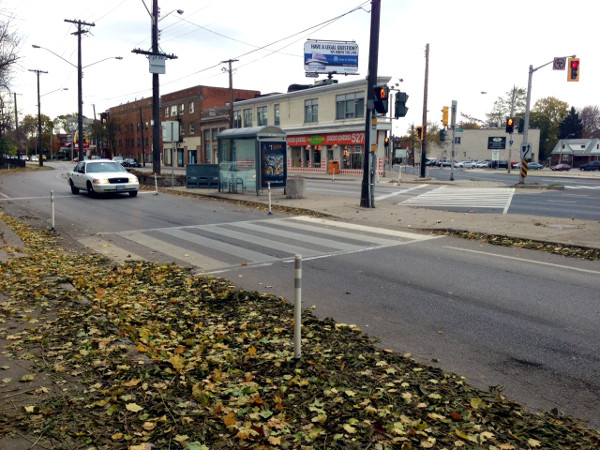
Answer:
(29, 129)
(547, 114)
(571, 126)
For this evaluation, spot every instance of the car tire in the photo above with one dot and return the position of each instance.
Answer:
(90, 190)
(74, 190)
(133, 193)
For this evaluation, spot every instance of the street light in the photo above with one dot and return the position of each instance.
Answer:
(79, 68)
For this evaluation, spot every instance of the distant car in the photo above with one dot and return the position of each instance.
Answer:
(592, 165)
(445, 163)
(482, 164)
(130, 162)
(118, 158)
(101, 176)
(534, 166)
(431, 162)
(561, 167)
(465, 164)
(34, 158)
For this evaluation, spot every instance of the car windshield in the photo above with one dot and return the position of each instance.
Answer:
(107, 166)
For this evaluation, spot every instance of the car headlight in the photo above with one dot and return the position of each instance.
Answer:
(100, 181)
(133, 179)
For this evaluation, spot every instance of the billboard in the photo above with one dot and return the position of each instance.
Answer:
(273, 164)
(331, 57)
(496, 143)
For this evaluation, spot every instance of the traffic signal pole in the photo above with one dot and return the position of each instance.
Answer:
(368, 181)
(525, 148)
(424, 141)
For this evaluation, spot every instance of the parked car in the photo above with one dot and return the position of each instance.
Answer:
(561, 167)
(445, 163)
(100, 176)
(466, 164)
(431, 162)
(118, 158)
(534, 166)
(592, 165)
(130, 162)
(499, 164)
(482, 164)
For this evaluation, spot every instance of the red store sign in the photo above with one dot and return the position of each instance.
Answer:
(357, 138)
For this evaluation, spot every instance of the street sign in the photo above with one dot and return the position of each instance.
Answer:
(459, 130)
(559, 64)
(525, 151)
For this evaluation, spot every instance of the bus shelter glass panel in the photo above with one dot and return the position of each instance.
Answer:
(237, 167)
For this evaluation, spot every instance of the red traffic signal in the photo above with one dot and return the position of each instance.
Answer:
(573, 69)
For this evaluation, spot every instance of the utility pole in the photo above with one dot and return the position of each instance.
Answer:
(17, 127)
(79, 32)
(229, 61)
(424, 141)
(40, 156)
(510, 142)
(155, 54)
(368, 182)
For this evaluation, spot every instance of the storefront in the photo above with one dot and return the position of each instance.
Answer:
(314, 152)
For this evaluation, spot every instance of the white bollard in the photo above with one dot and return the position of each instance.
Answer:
(155, 185)
(269, 186)
(52, 209)
(297, 306)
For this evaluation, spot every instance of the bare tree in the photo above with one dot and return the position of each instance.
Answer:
(9, 42)
(590, 116)
(513, 103)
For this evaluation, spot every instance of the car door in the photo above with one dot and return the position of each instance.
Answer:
(78, 175)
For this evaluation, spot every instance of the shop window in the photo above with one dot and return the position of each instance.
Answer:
(349, 106)
(311, 110)
(261, 115)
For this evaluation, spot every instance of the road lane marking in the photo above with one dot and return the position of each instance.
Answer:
(542, 263)
(393, 194)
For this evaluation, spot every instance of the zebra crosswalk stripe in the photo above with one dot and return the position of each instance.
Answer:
(468, 198)
(222, 246)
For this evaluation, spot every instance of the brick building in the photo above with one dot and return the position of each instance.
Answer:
(202, 111)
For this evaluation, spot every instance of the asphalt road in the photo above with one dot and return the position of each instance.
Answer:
(500, 316)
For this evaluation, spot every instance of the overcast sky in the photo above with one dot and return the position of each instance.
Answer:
(475, 46)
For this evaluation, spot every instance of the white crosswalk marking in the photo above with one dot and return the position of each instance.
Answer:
(448, 196)
(221, 246)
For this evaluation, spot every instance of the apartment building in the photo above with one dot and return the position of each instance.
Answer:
(324, 123)
(200, 111)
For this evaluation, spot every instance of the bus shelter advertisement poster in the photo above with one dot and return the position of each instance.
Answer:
(273, 164)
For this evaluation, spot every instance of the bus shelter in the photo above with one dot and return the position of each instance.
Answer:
(251, 159)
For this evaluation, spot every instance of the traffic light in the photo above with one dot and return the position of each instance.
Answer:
(387, 142)
(401, 109)
(510, 125)
(419, 133)
(442, 135)
(381, 99)
(573, 72)
(445, 116)
(521, 125)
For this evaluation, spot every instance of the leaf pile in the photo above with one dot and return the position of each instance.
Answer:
(149, 356)
(573, 251)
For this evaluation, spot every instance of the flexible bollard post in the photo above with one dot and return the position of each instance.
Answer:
(270, 210)
(297, 306)
(52, 209)
(155, 185)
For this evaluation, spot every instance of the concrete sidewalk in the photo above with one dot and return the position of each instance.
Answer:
(569, 232)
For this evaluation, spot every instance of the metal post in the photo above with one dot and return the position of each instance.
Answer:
(366, 195)
(52, 209)
(155, 95)
(269, 186)
(526, 124)
(172, 154)
(424, 141)
(453, 124)
(297, 306)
